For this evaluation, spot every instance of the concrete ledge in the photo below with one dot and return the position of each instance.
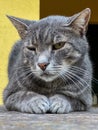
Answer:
(72, 121)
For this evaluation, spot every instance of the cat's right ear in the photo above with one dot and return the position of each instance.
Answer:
(21, 25)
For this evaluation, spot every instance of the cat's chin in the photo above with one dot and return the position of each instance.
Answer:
(47, 78)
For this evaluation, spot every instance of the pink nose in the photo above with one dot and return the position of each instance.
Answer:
(43, 65)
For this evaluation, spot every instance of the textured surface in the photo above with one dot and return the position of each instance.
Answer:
(72, 121)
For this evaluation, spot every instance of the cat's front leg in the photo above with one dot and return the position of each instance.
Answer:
(28, 102)
(59, 104)
(64, 104)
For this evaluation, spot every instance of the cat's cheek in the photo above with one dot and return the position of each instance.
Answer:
(28, 57)
(72, 57)
(65, 66)
(28, 53)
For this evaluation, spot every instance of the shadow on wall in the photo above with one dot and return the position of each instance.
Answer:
(92, 36)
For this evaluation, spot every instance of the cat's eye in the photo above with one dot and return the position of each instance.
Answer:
(58, 45)
(31, 48)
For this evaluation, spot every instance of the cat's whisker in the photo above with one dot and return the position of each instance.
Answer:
(78, 77)
(79, 84)
(82, 81)
(95, 80)
(20, 76)
(86, 73)
(77, 67)
(22, 67)
(56, 70)
(14, 73)
(82, 71)
(56, 67)
(27, 76)
(75, 83)
(77, 70)
(65, 77)
(72, 73)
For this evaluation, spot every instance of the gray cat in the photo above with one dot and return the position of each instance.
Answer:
(49, 68)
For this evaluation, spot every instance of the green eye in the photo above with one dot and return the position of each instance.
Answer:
(58, 45)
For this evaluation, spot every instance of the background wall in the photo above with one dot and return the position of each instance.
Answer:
(8, 35)
(68, 7)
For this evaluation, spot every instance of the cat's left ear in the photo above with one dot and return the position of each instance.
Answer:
(80, 21)
(21, 25)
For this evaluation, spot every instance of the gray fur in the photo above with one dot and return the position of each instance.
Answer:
(65, 83)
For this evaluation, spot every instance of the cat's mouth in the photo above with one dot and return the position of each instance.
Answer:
(47, 76)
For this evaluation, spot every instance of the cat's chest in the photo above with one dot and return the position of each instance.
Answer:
(47, 89)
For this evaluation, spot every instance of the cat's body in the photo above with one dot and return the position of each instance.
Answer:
(49, 69)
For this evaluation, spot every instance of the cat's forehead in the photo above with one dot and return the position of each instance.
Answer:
(52, 21)
(50, 29)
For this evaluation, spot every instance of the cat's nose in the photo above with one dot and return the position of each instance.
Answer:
(43, 66)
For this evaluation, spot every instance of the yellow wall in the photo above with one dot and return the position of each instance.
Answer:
(8, 35)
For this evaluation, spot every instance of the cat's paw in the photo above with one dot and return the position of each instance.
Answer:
(38, 104)
(59, 104)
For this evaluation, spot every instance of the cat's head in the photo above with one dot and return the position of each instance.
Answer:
(52, 45)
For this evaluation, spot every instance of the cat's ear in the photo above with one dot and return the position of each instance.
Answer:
(21, 25)
(80, 21)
